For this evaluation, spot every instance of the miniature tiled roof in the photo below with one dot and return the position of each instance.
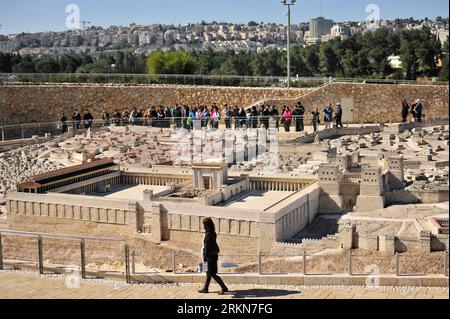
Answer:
(28, 185)
(72, 169)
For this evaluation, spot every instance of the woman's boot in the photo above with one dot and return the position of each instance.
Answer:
(205, 289)
(221, 284)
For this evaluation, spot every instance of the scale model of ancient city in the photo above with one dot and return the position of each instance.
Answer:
(376, 186)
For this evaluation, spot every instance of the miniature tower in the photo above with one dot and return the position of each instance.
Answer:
(371, 195)
(343, 160)
(396, 175)
(331, 200)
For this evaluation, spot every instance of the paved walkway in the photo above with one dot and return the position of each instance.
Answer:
(31, 285)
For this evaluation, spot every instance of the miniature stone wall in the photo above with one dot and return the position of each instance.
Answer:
(297, 215)
(399, 197)
(367, 241)
(70, 214)
(228, 244)
(349, 238)
(335, 133)
(163, 220)
(386, 244)
(431, 196)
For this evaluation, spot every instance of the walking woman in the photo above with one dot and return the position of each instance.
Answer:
(210, 257)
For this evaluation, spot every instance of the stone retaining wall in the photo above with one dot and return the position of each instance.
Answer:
(371, 102)
(32, 104)
(376, 103)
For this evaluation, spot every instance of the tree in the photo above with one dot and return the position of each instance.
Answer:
(329, 64)
(269, 63)
(408, 54)
(137, 63)
(25, 66)
(93, 68)
(298, 64)
(364, 66)
(419, 51)
(352, 56)
(428, 53)
(47, 67)
(350, 65)
(312, 60)
(106, 61)
(237, 64)
(171, 62)
(6, 63)
(69, 63)
(380, 44)
(119, 61)
(443, 76)
(86, 59)
(208, 61)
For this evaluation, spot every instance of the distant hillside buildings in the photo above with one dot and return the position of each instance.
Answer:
(251, 37)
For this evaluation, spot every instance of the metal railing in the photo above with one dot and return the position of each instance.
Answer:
(189, 79)
(25, 131)
(389, 81)
(157, 79)
(38, 239)
(303, 264)
(29, 130)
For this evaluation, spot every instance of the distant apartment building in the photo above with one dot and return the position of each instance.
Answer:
(442, 35)
(319, 27)
(340, 31)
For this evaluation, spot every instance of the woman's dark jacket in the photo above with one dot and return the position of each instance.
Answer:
(405, 109)
(210, 247)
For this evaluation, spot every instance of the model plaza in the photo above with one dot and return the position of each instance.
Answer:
(103, 198)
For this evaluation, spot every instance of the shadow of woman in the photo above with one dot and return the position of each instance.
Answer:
(261, 293)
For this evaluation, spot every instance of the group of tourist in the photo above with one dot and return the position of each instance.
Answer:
(329, 116)
(201, 116)
(78, 120)
(416, 110)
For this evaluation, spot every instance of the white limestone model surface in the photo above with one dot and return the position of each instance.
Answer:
(260, 200)
(134, 193)
(425, 151)
(126, 147)
(18, 165)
